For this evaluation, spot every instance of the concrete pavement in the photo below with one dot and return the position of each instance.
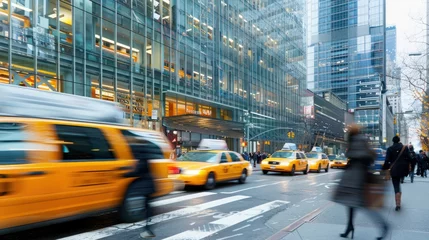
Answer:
(409, 223)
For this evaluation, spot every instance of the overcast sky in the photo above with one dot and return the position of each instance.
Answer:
(408, 15)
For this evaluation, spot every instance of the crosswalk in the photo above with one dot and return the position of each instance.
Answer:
(188, 209)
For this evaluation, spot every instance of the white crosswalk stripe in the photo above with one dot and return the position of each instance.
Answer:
(207, 229)
(105, 232)
(221, 224)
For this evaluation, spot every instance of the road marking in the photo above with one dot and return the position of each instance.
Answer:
(192, 223)
(180, 199)
(176, 192)
(250, 188)
(236, 235)
(255, 218)
(260, 180)
(109, 231)
(257, 229)
(313, 183)
(221, 224)
(243, 227)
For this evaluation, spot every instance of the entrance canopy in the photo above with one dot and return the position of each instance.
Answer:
(205, 125)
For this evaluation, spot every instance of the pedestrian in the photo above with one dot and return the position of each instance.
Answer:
(413, 162)
(145, 182)
(425, 164)
(259, 157)
(351, 189)
(419, 163)
(255, 159)
(397, 163)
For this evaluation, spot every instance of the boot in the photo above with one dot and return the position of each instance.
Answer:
(398, 201)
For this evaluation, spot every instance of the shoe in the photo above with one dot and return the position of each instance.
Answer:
(385, 231)
(147, 234)
(345, 235)
(398, 208)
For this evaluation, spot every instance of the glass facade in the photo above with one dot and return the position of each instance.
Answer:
(347, 56)
(215, 58)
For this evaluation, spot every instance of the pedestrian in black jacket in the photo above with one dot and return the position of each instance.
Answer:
(424, 164)
(413, 162)
(397, 162)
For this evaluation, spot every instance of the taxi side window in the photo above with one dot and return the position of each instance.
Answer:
(302, 155)
(324, 156)
(223, 158)
(234, 157)
(83, 144)
(298, 156)
(13, 143)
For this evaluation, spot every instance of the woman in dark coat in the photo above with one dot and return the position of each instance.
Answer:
(351, 189)
(397, 161)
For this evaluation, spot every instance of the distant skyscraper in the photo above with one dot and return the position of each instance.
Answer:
(346, 56)
(391, 43)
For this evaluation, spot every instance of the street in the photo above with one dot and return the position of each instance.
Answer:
(272, 206)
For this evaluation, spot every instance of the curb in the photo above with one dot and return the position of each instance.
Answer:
(298, 223)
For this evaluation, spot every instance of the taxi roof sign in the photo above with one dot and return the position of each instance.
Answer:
(289, 146)
(317, 149)
(212, 144)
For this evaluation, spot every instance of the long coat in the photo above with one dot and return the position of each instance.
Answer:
(351, 188)
(400, 168)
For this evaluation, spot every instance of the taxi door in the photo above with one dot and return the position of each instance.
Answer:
(26, 184)
(92, 173)
(224, 168)
(236, 165)
(300, 160)
(325, 160)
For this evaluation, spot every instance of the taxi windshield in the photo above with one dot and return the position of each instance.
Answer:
(340, 158)
(283, 155)
(312, 155)
(209, 157)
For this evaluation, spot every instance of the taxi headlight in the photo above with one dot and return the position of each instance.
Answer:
(285, 163)
(264, 162)
(191, 172)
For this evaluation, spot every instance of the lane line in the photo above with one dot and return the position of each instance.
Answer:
(180, 199)
(255, 218)
(176, 192)
(250, 188)
(113, 230)
(260, 180)
(236, 235)
(221, 224)
(243, 227)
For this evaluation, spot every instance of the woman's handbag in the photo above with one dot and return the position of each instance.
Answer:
(374, 191)
(387, 175)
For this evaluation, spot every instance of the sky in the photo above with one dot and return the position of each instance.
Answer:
(409, 17)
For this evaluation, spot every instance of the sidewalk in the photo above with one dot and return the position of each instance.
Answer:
(412, 222)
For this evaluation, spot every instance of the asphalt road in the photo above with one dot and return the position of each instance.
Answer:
(258, 209)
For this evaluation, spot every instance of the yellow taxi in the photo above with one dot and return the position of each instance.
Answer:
(53, 170)
(288, 160)
(340, 162)
(318, 161)
(212, 163)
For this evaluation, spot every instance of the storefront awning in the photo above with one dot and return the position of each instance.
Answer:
(205, 125)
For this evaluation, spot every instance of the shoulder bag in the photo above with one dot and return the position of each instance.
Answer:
(387, 175)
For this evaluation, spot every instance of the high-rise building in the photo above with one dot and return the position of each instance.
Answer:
(191, 68)
(391, 43)
(346, 55)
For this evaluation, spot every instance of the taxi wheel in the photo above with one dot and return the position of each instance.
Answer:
(319, 168)
(133, 207)
(211, 181)
(306, 170)
(292, 172)
(264, 172)
(327, 168)
(243, 176)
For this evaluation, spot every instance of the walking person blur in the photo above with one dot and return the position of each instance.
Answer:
(397, 164)
(413, 162)
(145, 183)
(351, 189)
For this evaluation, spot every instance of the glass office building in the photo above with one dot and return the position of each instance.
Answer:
(192, 67)
(347, 57)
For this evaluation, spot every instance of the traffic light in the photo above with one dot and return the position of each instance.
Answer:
(291, 134)
(244, 144)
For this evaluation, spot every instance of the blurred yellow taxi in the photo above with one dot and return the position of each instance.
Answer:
(340, 162)
(318, 161)
(53, 170)
(212, 164)
(288, 160)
